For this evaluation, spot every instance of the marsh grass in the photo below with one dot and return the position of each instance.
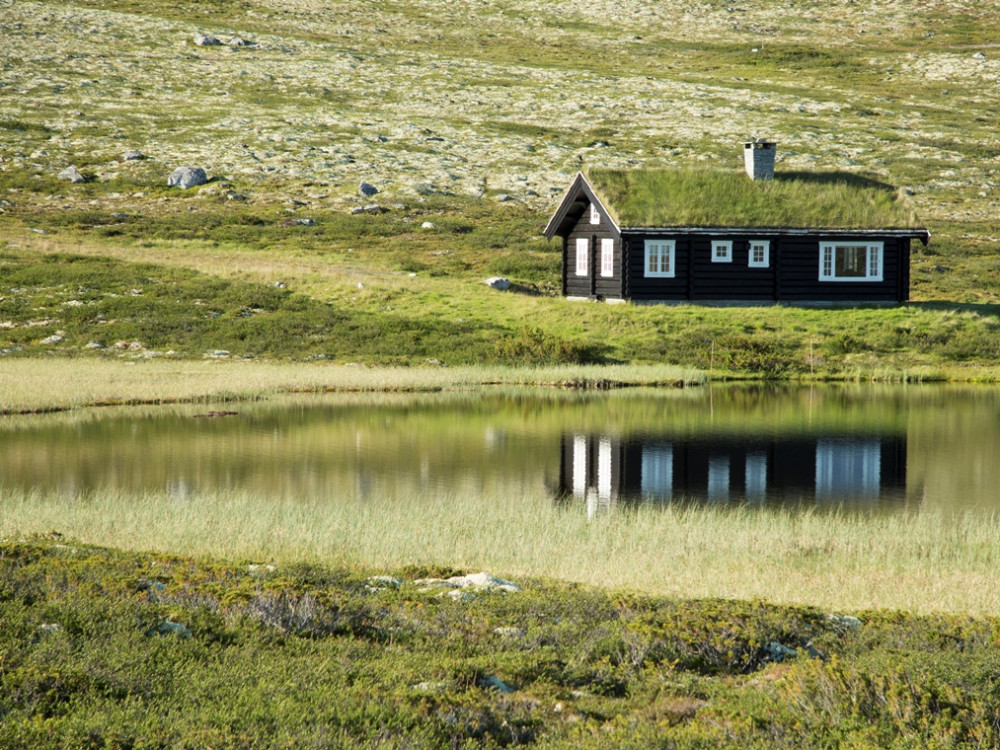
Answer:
(920, 563)
(28, 385)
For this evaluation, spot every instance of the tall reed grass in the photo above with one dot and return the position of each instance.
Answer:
(915, 562)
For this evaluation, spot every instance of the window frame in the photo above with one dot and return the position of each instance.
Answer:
(607, 257)
(726, 246)
(595, 214)
(874, 261)
(660, 249)
(582, 256)
(766, 263)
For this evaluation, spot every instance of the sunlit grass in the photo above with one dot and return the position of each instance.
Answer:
(55, 384)
(919, 563)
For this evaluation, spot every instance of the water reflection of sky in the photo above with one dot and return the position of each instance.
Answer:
(863, 447)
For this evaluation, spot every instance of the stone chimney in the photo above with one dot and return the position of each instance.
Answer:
(758, 158)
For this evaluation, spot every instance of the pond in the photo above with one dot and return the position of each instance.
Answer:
(860, 447)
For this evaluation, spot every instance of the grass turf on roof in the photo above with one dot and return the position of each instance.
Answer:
(705, 198)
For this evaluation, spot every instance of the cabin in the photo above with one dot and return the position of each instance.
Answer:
(711, 236)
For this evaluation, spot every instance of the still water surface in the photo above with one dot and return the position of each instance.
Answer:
(886, 448)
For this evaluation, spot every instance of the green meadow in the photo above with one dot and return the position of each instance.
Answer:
(142, 629)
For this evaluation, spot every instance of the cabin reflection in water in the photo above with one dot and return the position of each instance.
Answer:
(603, 469)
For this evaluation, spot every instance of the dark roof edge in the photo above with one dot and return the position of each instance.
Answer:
(921, 234)
(579, 184)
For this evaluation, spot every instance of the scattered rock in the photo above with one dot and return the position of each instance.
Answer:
(509, 632)
(133, 155)
(979, 56)
(497, 684)
(50, 627)
(478, 581)
(357, 210)
(301, 223)
(373, 208)
(846, 621)
(93, 345)
(55, 338)
(170, 628)
(217, 354)
(238, 41)
(498, 282)
(280, 285)
(427, 225)
(261, 569)
(187, 177)
(778, 652)
(206, 40)
(504, 198)
(72, 175)
(367, 190)
(380, 583)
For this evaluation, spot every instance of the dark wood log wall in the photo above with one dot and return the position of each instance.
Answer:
(593, 284)
(792, 274)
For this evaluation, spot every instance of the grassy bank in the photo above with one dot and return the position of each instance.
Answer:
(115, 649)
(57, 384)
(919, 563)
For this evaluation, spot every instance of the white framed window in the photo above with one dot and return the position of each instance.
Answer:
(582, 255)
(850, 261)
(660, 258)
(595, 215)
(722, 251)
(607, 257)
(760, 254)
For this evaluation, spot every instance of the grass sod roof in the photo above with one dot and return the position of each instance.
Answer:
(706, 198)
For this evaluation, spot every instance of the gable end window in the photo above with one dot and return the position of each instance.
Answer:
(722, 251)
(659, 259)
(850, 261)
(607, 257)
(595, 215)
(582, 255)
(760, 254)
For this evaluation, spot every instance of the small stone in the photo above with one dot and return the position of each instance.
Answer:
(367, 190)
(133, 155)
(373, 208)
(357, 210)
(72, 175)
(979, 56)
(93, 345)
(55, 338)
(187, 177)
(498, 282)
(238, 41)
(427, 225)
(206, 40)
(503, 198)
(497, 684)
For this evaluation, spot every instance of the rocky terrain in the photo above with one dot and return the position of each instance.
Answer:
(304, 100)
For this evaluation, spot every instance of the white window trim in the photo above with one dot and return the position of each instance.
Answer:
(874, 264)
(767, 254)
(607, 257)
(727, 251)
(582, 255)
(660, 249)
(595, 215)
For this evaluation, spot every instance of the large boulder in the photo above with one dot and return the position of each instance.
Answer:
(498, 282)
(367, 190)
(72, 174)
(187, 177)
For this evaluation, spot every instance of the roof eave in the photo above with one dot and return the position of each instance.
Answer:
(918, 233)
